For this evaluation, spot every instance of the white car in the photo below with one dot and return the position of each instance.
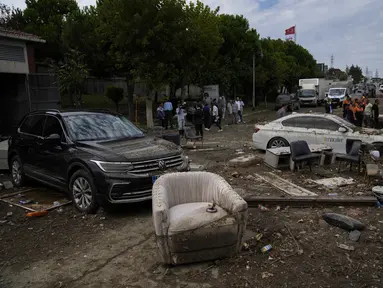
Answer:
(314, 128)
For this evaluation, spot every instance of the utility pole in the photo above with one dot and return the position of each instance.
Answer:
(254, 80)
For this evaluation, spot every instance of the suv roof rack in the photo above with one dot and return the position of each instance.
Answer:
(46, 110)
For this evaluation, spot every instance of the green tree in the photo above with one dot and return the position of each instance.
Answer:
(11, 18)
(356, 73)
(71, 74)
(46, 18)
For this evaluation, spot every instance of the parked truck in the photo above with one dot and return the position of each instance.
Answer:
(338, 92)
(313, 91)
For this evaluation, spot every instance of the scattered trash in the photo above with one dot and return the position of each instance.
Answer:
(245, 245)
(3, 221)
(266, 275)
(332, 194)
(301, 221)
(37, 214)
(343, 221)
(102, 218)
(247, 267)
(259, 236)
(249, 177)
(24, 202)
(371, 228)
(263, 208)
(278, 208)
(354, 235)
(266, 248)
(334, 182)
(9, 214)
(60, 210)
(346, 247)
(56, 203)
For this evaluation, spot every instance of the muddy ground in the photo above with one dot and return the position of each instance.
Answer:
(117, 248)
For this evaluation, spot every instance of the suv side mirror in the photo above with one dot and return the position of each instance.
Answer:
(53, 138)
(342, 129)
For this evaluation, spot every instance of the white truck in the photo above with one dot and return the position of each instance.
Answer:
(312, 91)
(338, 92)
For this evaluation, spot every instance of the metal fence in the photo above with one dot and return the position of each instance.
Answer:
(44, 91)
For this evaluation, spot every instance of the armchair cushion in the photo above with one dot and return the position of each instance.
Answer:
(192, 216)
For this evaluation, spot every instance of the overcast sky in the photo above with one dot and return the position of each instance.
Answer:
(350, 30)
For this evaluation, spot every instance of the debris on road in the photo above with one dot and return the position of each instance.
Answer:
(36, 214)
(346, 247)
(263, 208)
(8, 185)
(334, 182)
(266, 275)
(245, 160)
(354, 235)
(235, 174)
(343, 221)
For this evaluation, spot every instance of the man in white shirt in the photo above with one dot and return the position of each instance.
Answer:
(240, 106)
(216, 118)
(368, 114)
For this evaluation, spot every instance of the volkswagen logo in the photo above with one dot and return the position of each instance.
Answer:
(162, 164)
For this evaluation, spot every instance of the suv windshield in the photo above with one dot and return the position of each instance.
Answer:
(99, 126)
(307, 93)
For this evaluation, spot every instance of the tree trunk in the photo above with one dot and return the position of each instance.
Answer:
(149, 112)
(183, 93)
(129, 96)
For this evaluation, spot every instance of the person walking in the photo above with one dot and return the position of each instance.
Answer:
(181, 118)
(222, 106)
(168, 109)
(230, 113)
(198, 120)
(216, 119)
(206, 116)
(240, 105)
(375, 114)
(235, 111)
(358, 114)
(161, 114)
(367, 117)
(346, 103)
(282, 112)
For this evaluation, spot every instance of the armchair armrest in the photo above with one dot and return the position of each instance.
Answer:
(160, 207)
(225, 196)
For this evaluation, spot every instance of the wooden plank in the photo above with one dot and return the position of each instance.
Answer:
(284, 185)
(18, 205)
(311, 201)
(16, 193)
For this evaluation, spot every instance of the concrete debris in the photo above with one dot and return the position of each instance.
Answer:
(249, 235)
(235, 174)
(346, 247)
(354, 235)
(343, 221)
(266, 275)
(197, 167)
(245, 160)
(8, 185)
(334, 182)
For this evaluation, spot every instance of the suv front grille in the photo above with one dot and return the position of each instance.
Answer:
(134, 190)
(144, 167)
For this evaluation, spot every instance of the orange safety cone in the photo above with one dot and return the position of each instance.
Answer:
(37, 214)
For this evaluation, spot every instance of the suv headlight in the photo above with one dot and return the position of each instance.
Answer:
(114, 167)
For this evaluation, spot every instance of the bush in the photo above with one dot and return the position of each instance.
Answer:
(116, 94)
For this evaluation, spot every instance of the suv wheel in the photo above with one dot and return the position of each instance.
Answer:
(17, 171)
(83, 192)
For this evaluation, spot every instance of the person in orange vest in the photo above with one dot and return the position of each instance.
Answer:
(350, 111)
(346, 104)
(358, 114)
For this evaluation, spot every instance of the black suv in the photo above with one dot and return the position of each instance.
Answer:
(97, 156)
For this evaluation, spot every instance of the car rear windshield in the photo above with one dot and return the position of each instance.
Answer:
(99, 126)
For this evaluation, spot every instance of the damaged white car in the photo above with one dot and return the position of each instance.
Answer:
(314, 128)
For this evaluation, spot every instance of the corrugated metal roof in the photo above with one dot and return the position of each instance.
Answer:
(14, 34)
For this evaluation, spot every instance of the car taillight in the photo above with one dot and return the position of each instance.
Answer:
(256, 129)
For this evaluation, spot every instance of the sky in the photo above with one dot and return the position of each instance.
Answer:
(349, 30)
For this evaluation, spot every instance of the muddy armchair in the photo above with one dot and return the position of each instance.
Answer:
(188, 229)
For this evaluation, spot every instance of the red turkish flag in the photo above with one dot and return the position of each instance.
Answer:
(290, 31)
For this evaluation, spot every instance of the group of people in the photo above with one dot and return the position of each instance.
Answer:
(205, 115)
(361, 111)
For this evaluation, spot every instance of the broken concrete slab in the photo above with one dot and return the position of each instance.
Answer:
(194, 145)
(334, 182)
(284, 185)
(245, 160)
(343, 221)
